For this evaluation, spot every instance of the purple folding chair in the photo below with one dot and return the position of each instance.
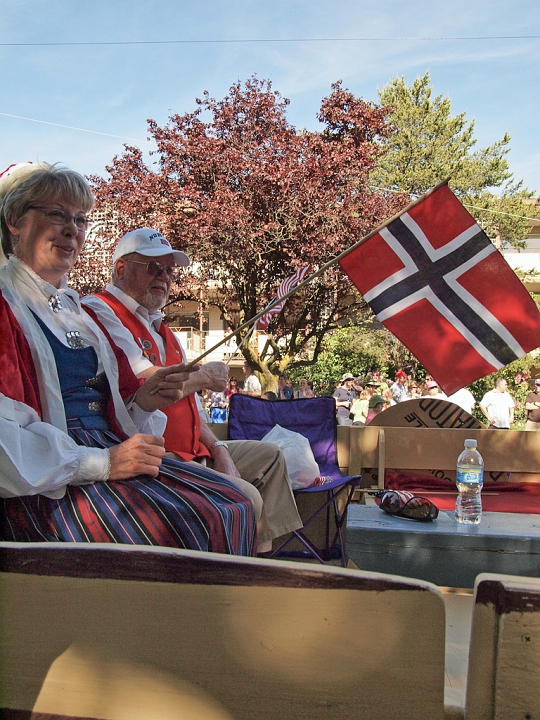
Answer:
(251, 418)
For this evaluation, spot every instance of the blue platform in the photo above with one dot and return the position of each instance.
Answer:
(444, 552)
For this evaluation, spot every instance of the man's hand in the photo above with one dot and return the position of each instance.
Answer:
(223, 462)
(210, 376)
(164, 387)
(140, 455)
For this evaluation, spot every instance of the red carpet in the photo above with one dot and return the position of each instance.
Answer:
(496, 496)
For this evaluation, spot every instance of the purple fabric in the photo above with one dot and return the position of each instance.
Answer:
(250, 418)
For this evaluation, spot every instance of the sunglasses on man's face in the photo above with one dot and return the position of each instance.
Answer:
(155, 268)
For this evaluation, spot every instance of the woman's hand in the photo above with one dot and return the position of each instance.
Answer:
(163, 388)
(140, 455)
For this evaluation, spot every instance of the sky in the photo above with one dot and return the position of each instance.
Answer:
(137, 60)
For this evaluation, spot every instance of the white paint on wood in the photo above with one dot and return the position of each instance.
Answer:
(98, 648)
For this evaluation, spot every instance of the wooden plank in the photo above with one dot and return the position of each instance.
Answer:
(113, 649)
(430, 448)
(504, 662)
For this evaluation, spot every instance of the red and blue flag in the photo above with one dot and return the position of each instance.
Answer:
(436, 281)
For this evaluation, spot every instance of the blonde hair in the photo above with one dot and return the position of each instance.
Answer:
(35, 185)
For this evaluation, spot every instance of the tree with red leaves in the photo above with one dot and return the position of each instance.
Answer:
(250, 198)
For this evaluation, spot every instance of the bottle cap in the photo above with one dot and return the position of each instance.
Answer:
(470, 443)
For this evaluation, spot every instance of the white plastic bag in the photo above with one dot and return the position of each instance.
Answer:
(298, 456)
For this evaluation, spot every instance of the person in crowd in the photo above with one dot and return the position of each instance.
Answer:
(218, 407)
(129, 309)
(284, 391)
(532, 406)
(344, 396)
(464, 398)
(81, 438)
(413, 390)
(376, 406)
(311, 388)
(375, 376)
(269, 395)
(358, 385)
(232, 387)
(388, 398)
(498, 406)
(433, 390)
(360, 407)
(399, 387)
(205, 398)
(304, 391)
(252, 386)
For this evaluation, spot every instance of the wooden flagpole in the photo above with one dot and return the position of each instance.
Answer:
(317, 273)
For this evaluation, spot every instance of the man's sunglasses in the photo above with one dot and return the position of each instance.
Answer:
(406, 505)
(155, 268)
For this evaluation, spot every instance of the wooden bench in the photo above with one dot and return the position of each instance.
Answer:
(427, 449)
(116, 632)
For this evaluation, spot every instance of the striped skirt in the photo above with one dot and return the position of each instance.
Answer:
(184, 507)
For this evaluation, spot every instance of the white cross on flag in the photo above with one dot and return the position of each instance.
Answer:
(435, 280)
(275, 306)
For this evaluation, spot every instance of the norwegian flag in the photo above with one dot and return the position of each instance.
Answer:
(275, 306)
(435, 280)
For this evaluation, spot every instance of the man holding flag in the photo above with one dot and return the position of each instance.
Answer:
(129, 311)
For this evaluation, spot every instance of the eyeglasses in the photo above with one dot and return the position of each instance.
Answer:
(61, 217)
(406, 505)
(155, 268)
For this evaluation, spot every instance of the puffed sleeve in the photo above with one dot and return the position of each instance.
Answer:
(38, 458)
(148, 423)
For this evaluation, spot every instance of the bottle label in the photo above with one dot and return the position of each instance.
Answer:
(471, 476)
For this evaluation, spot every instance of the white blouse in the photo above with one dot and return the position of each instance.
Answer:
(38, 456)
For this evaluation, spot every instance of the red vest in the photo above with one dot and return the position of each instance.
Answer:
(183, 431)
(18, 378)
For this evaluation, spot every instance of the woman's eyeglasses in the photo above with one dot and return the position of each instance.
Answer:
(61, 217)
(155, 268)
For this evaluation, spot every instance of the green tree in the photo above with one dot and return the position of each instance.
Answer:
(357, 349)
(428, 144)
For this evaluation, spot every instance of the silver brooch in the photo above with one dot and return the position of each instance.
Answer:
(55, 303)
(74, 339)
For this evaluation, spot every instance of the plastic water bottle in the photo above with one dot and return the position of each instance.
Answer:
(469, 481)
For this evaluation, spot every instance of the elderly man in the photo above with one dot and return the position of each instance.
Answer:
(129, 310)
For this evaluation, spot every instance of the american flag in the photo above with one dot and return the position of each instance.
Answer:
(275, 306)
(435, 280)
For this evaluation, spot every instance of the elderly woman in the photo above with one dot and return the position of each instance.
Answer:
(81, 447)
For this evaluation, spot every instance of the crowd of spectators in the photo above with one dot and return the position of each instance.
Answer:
(359, 399)
(215, 404)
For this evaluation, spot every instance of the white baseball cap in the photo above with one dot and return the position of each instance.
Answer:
(150, 243)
